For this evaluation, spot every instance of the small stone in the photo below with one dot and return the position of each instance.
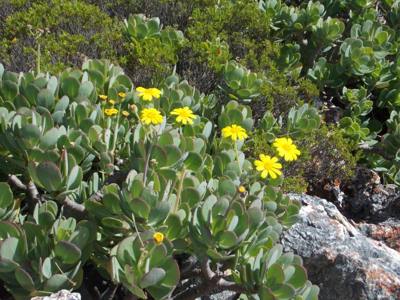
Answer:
(61, 295)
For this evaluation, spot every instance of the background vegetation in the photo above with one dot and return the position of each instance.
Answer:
(324, 73)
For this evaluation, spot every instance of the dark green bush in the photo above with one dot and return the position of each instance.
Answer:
(67, 33)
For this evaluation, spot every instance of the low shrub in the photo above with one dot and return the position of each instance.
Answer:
(148, 185)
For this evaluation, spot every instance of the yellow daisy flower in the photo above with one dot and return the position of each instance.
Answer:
(183, 115)
(112, 102)
(158, 238)
(122, 94)
(125, 113)
(235, 132)
(110, 112)
(151, 116)
(148, 94)
(268, 166)
(103, 97)
(286, 148)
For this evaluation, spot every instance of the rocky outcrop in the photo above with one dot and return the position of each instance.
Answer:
(344, 263)
(366, 198)
(61, 295)
(387, 232)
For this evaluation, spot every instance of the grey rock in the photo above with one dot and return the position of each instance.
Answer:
(344, 263)
(387, 232)
(61, 295)
(370, 200)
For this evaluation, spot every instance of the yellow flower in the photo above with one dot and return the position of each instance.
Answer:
(286, 148)
(148, 94)
(125, 113)
(183, 115)
(112, 102)
(110, 112)
(268, 166)
(103, 97)
(14, 40)
(158, 238)
(235, 132)
(241, 189)
(151, 116)
(122, 94)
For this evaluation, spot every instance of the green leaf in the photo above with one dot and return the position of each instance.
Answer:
(49, 176)
(6, 195)
(9, 90)
(283, 292)
(227, 239)
(114, 223)
(10, 249)
(68, 252)
(24, 279)
(193, 161)
(299, 278)
(70, 86)
(56, 282)
(174, 226)
(74, 178)
(159, 213)
(152, 277)
(46, 99)
(140, 207)
(46, 268)
(191, 196)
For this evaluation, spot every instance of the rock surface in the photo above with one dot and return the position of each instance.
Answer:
(387, 232)
(61, 295)
(344, 263)
(370, 200)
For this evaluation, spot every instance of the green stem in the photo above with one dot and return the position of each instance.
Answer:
(38, 59)
(237, 158)
(137, 231)
(146, 166)
(179, 191)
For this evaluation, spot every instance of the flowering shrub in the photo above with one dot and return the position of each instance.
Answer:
(148, 185)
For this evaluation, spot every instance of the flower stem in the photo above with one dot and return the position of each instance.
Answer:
(237, 158)
(179, 191)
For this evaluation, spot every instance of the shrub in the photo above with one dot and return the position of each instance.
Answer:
(62, 42)
(150, 46)
(350, 51)
(132, 181)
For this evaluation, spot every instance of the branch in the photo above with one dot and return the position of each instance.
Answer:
(76, 208)
(31, 188)
(211, 284)
(14, 180)
(33, 191)
(208, 274)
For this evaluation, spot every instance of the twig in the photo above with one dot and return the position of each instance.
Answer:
(14, 180)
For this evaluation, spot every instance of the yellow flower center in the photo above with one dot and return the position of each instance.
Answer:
(158, 238)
